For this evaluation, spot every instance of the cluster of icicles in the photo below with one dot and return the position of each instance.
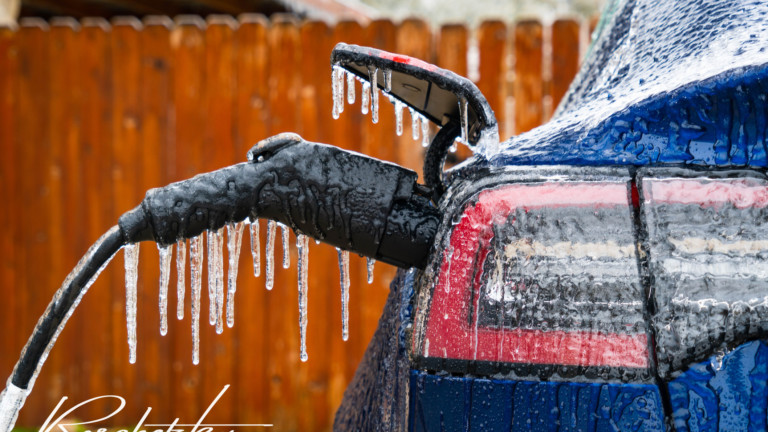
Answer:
(370, 96)
(215, 245)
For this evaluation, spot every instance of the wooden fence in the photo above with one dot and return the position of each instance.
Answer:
(94, 113)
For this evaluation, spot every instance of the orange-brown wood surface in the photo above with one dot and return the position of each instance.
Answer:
(94, 113)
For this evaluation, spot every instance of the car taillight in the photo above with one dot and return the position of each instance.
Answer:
(707, 246)
(538, 278)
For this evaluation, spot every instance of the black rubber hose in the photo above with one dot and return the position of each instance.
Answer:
(345, 199)
(434, 160)
(63, 304)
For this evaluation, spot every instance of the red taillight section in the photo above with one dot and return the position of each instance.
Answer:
(540, 273)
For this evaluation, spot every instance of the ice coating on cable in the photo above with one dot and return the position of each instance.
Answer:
(270, 254)
(302, 244)
(131, 256)
(284, 231)
(219, 270)
(369, 262)
(196, 284)
(255, 247)
(398, 117)
(373, 73)
(463, 118)
(166, 253)
(366, 98)
(234, 242)
(350, 88)
(344, 282)
(181, 264)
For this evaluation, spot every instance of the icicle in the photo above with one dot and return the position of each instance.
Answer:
(270, 253)
(373, 73)
(399, 117)
(196, 283)
(350, 88)
(463, 117)
(344, 280)
(286, 251)
(211, 277)
(219, 269)
(387, 80)
(256, 247)
(234, 241)
(366, 97)
(131, 256)
(369, 262)
(337, 84)
(415, 117)
(181, 265)
(424, 132)
(302, 244)
(166, 253)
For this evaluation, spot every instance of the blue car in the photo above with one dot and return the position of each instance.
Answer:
(607, 271)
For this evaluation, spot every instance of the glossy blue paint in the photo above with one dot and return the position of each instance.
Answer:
(729, 393)
(445, 403)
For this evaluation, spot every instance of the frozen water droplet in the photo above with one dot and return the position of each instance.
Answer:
(131, 256)
(369, 262)
(270, 253)
(234, 242)
(350, 88)
(219, 269)
(424, 132)
(399, 117)
(181, 266)
(453, 147)
(302, 244)
(284, 230)
(414, 123)
(344, 281)
(366, 98)
(317, 242)
(166, 253)
(387, 80)
(256, 247)
(463, 118)
(373, 73)
(196, 284)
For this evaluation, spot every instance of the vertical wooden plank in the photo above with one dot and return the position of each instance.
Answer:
(34, 146)
(66, 192)
(10, 262)
(315, 103)
(218, 152)
(492, 44)
(251, 324)
(528, 88)
(126, 176)
(188, 45)
(565, 57)
(452, 55)
(379, 142)
(414, 39)
(282, 301)
(155, 78)
(94, 317)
